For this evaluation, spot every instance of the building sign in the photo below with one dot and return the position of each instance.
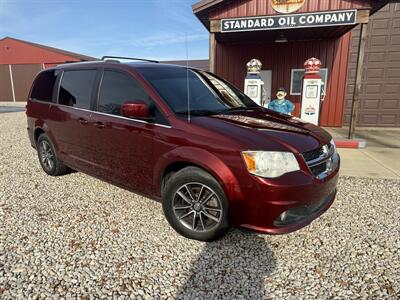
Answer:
(318, 19)
(287, 6)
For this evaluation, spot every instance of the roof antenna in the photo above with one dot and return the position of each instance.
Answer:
(187, 77)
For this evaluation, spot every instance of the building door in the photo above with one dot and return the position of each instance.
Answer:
(380, 90)
(266, 76)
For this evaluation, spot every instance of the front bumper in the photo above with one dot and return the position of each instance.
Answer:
(287, 205)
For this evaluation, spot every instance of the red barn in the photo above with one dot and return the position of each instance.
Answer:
(20, 61)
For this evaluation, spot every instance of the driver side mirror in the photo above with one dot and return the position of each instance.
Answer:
(135, 109)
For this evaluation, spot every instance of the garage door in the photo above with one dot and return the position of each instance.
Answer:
(23, 76)
(380, 91)
(5, 84)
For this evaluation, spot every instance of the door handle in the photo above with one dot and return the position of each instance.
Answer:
(100, 124)
(83, 121)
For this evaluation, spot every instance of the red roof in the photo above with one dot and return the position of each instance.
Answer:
(52, 49)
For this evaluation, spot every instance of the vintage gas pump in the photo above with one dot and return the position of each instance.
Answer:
(253, 84)
(311, 93)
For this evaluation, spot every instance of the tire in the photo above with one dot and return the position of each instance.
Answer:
(48, 159)
(203, 218)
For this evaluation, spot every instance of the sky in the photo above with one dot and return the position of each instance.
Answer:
(153, 29)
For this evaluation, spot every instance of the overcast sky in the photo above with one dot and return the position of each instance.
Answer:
(140, 28)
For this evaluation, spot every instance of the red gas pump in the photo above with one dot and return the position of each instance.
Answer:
(311, 92)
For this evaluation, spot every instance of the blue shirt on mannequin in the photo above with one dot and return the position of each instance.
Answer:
(282, 106)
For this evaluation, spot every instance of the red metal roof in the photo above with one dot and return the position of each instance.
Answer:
(72, 55)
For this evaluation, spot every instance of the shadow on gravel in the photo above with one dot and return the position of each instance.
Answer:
(234, 267)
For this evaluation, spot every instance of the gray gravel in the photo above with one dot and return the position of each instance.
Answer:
(77, 237)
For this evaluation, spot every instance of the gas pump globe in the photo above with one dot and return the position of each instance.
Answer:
(311, 92)
(253, 84)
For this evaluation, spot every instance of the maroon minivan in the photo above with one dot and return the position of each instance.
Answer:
(186, 137)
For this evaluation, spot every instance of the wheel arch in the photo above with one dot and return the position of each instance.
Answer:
(42, 127)
(38, 131)
(182, 157)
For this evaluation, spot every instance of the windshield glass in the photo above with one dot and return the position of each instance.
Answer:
(208, 94)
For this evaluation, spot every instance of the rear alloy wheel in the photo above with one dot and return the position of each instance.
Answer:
(195, 205)
(48, 157)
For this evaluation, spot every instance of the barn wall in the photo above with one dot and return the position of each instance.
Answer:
(23, 76)
(5, 84)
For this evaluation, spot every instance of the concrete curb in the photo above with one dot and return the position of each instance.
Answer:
(352, 144)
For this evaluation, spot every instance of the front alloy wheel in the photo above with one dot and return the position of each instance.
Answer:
(195, 205)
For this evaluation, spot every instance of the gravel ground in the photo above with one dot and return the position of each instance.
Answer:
(78, 237)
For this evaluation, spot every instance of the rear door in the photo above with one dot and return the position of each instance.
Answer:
(125, 146)
(71, 118)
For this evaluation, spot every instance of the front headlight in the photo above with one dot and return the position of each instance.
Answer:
(270, 163)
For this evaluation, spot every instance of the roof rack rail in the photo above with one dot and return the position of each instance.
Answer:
(131, 58)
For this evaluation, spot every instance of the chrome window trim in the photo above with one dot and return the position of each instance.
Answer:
(110, 115)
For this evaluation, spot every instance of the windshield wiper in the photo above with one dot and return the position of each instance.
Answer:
(237, 108)
(198, 112)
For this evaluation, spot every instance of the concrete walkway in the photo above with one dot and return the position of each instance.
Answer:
(381, 157)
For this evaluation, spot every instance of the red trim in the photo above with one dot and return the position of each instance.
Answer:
(347, 143)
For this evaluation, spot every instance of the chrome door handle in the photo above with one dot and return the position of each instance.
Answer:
(83, 121)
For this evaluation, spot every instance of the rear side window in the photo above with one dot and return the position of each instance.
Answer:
(117, 88)
(76, 88)
(43, 86)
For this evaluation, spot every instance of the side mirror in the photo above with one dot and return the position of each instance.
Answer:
(135, 109)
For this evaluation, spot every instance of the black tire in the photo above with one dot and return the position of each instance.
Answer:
(48, 158)
(201, 224)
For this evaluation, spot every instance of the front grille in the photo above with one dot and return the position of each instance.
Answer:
(313, 154)
(318, 169)
(321, 161)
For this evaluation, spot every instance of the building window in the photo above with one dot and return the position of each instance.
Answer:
(296, 81)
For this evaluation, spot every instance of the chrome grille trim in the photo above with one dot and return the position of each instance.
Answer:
(327, 156)
(327, 152)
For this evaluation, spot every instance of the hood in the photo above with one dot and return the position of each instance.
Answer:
(261, 128)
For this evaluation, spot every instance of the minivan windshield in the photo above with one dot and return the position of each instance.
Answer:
(208, 94)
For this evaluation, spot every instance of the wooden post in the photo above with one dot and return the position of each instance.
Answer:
(212, 52)
(12, 82)
(357, 84)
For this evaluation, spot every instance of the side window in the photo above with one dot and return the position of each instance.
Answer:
(43, 86)
(76, 88)
(117, 88)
